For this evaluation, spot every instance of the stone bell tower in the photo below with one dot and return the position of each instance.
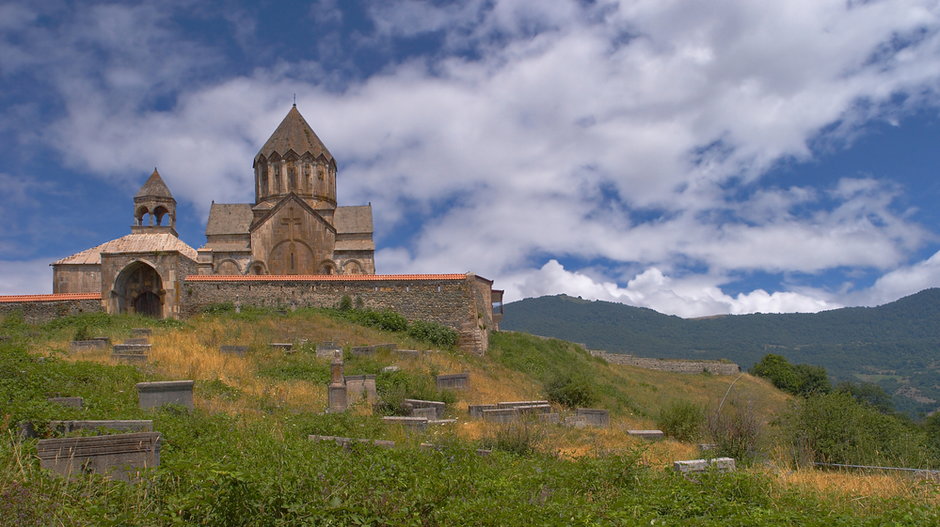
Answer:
(154, 208)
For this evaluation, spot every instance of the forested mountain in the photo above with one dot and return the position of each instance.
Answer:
(896, 345)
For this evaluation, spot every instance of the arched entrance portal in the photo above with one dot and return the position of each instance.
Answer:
(139, 289)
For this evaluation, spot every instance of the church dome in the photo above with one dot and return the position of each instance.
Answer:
(294, 134)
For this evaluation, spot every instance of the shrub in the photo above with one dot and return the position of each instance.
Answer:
(345, 303)
(81, 333)
(735, 429)
(682, 420)
(799, 379)
(570, 390)
(433, 333)
(394, 387)
(520, 437)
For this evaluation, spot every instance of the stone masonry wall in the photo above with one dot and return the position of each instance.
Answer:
(450, 302)
(44, 311)
(670, 365)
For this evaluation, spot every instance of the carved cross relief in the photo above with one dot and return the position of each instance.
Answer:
(290, 221)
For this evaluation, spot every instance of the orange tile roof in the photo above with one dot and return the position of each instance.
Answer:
(50, 298)
(322, 277)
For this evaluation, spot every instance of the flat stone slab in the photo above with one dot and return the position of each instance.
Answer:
(361, 387)
(692, 466)
(385, 347)
(427, 412)
(512, 404)
(142, 332)
(500, 415)
(155, 394)
(347, 441)
(441, 421)
(409, 354)
(234, 350)
(137, 340)
(90, 344)
(362, 351)
(439, 406)
(72, 402)
(476, 410)
(410, 423)
(137, 425)
(282, 346)
(119, 456)
(551, 418)
(131, 349)
(391, 369)
(130, 357)
(453, 381)
(650, 435)
(534, 409)
(594, 416)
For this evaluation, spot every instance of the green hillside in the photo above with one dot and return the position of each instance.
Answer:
(895, 345)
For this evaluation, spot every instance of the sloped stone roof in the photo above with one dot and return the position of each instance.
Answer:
(294, 134)
(353, 220)
(229, 218)
(132, 243)
(154, 187)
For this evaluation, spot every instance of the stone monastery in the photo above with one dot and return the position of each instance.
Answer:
(294, 246)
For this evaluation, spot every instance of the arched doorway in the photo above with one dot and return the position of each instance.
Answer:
(139, 289)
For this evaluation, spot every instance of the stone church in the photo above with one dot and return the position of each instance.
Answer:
(294, 228)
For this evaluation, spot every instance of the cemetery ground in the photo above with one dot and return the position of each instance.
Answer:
(242, 456)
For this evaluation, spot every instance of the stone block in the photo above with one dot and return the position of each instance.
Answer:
(594, 417)
(141, 332)
(551, 418)
(692, 466)
(326, 350)
(286, 347)
(347, 441)
(336, 395)
(137, 340)
(415, 424)
(159, 393)
(439, 406)
(649, 435)
(361, 387)
(408, 354)
(384, 347)
(500, 415)
(476, 410)
(73, 402)
(362, 351)
(138, 425)
(120, 456)
(90, 344)
(513, 404)
(439, 422)
(391, 369)
(427, 412)
(130, 352)
(533, 409)
(238, 351)
(453, 381)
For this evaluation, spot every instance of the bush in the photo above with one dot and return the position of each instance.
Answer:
(571, 391)
(682, 420)
(394, 387)
(81, 333)
(520, 437)
(735, 429)
(433, 333)
(799, 379)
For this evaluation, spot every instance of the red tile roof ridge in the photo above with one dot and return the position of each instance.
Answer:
(322, 277)
(49, 298)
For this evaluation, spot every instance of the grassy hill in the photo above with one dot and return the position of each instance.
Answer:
(242, 456)
(894, 345)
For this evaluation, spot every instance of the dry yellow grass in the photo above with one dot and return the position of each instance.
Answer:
(860, 487)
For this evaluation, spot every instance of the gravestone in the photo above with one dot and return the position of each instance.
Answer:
(326, 350)
(409, 354)
(439, 406)
(159, 393)
(500, 415)
(385, 347)
(130, 352)
(137, 340)
(476, 410)
(286, 347)
(513, 404)
(438, 422)
(692, 466)
(73, 402)
(414, 424)
(359, 387)
(137, 425)
(533, 409)
(551, 418)
(362, 351)
(90, 344)
(594, 416)
(427, 412)
(453, 381)
(649, 435)
(142, 332)
(238, 351)
(389, 369)
(120, 456)
(336, 392)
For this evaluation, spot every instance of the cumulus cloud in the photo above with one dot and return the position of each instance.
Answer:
(21, 277)
(634, 132)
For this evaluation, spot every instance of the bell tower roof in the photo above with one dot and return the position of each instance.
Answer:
(294, 134)
(154, 187)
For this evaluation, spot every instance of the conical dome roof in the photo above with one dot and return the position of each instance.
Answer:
(154, 187)
(294, 134)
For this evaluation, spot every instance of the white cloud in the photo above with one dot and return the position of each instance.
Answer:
(26, 277)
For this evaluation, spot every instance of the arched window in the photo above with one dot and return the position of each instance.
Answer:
(291, 177)
(264, 179)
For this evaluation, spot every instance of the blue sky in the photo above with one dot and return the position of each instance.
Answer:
(692, 157)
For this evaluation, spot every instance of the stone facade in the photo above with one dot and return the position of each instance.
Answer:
(42, 308)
